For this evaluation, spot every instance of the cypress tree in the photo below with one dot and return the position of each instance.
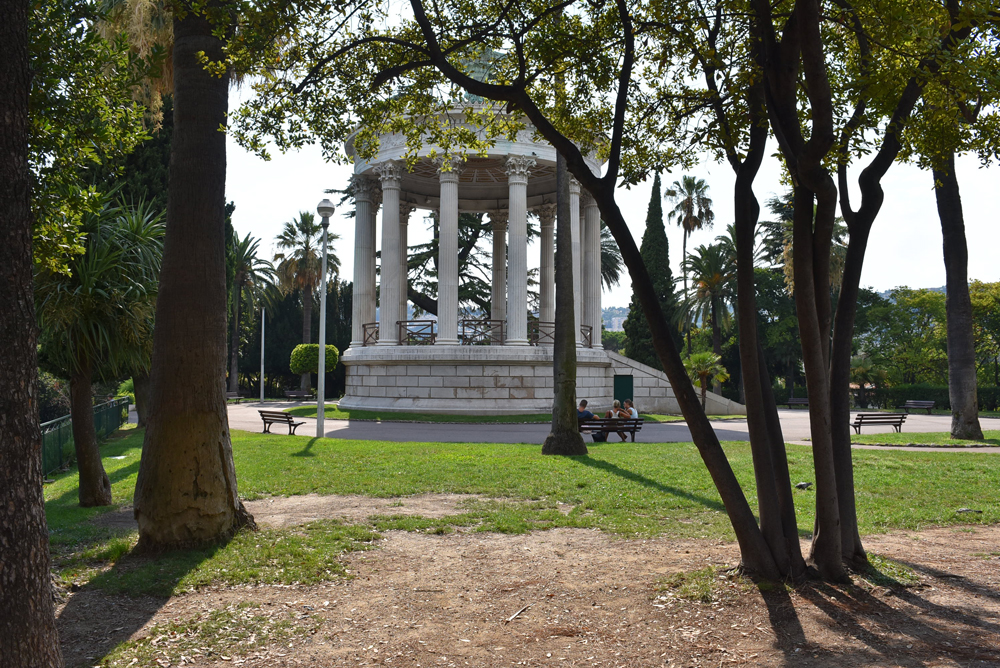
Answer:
(655, 253)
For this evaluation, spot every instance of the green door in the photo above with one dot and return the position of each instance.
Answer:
(623, 387)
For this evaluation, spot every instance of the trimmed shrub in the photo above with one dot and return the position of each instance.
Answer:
(305, 358)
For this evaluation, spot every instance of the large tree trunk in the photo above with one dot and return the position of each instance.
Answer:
(716, 341)
(27, 620)
(140, 386)
(234, 341)
(962, 383)
(775, 504)
(95, 487)
(305, 381)
(565, 437)
(186, 490)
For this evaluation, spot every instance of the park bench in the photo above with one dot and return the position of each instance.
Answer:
(792, 401)
(298, 394)
(917, 404)
(611, 425)
(272, 417)
(234, 395)
(894, 420)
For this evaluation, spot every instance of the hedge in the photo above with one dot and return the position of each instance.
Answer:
(305, 358)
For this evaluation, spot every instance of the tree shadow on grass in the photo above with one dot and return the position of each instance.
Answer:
(306, 451)
(116, 603)
(613, 469)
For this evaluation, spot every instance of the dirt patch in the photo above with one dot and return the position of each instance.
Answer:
(279, 512)
(587, 599)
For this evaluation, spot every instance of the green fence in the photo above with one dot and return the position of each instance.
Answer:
(57, 435)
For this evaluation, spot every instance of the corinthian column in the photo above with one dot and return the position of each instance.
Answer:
(574, 217)
(405, 209)
(448, 254)
(517, 169)
(366, 198)
(547, 270)
(391, 175)
(592, 268)
(498, 301)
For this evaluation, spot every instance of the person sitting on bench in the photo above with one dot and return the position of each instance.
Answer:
(618, 412)
(583, 414)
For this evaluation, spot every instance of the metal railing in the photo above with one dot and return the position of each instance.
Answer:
(482, 332)
(370, 334)
(544, 333)
(57, 435)
(541, 333)
(417, 332)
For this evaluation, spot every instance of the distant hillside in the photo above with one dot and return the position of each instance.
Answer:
(885, 293)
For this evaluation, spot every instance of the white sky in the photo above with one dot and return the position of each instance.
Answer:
(904, 248)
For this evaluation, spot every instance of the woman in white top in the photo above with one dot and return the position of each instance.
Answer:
(631, 409)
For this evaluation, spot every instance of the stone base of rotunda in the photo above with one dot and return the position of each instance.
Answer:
(468, 380)
(497, 380)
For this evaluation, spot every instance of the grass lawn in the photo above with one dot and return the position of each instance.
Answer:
(942, 438)
(334, 413)
(641, 489)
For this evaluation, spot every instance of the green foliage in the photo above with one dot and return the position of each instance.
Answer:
(300, 262)
(305, 358)
(705, 368)
(655, 253)
(53, 397)
(127, 389)
(907, 336)
(615, 341)
(82, 115)
(99, 315)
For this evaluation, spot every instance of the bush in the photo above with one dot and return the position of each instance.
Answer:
(305, 358)
(53, 397)
(127, 389)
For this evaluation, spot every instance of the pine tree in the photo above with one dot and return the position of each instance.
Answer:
(655, 253)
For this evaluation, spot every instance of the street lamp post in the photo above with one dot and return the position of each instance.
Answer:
(325, 209)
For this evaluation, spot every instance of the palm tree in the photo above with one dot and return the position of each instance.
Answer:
(299, 268)
(713, 280)
(97, 319)
(252, 276)
(611, 258)
(692, 211)
(705, 367)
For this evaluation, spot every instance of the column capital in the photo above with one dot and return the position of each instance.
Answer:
(498, 219)
(449, 168)
(365, 188)
(390, 173)
(546, 214)
(587, 200)
(574, 186)
(405, 209)
(518, 167)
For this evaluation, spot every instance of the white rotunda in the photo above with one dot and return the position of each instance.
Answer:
(498, 366)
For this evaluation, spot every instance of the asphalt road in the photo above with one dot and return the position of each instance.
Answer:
(794, 425)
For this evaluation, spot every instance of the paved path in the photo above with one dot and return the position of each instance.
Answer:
(794, 425)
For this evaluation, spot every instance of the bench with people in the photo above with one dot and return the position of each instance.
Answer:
(621, 420)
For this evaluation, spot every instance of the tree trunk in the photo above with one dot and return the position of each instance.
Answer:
(186, 490)
(305, 381)
(754, 551)
(234, 342)
(775, 505)
(684, 273)
(962, 382)
(716, 341)
(140, 386)
(565, 437)
(95, 487)
(27, 620)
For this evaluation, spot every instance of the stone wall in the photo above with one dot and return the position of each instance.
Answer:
(497, 380)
